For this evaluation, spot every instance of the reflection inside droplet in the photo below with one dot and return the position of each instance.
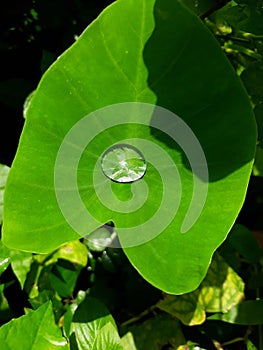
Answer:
(123, 163)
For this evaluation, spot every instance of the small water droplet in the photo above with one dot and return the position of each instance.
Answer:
(123, 163)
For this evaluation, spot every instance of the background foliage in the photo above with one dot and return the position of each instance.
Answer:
(95, 291)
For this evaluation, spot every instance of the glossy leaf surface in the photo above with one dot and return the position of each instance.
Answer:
(159, 53)
(36, 330)
(93, 327)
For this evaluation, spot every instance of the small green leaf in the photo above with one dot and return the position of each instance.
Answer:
(35, 331)
(68, 315)
(107, 338)
(249, 312)
(4, 170)
(243, 241)
(49, 295)
(75, 252)
(250, 345)
(63, 278)
(93, 327)
(21, 263)
(220, 291)
(127, 342)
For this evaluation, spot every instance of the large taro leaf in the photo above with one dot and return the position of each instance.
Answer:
(158, 53)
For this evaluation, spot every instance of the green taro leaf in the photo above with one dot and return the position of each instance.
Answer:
(93, 327)
(221, 289)
(158, 53)
(35, 331)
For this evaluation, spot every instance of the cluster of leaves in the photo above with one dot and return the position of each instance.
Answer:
(76, 288)
(88, 296)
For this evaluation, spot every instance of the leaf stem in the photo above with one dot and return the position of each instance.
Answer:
(233, 38)
(139, 317)
(232, 341)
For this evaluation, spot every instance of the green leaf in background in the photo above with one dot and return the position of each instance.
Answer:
(254, 12)
(67, 263)
(232, 15)
(250, 345)
(4, 171)
(54, 276)
(108, 338)
(45, 296)
(252, 78)
(154, 333)
(159, 53)
(63, 278)
(35, 331)
(249, 312)
(221, 289)
(127, 342)
(242, 240)
(68, 315)
(75, 252)
(93, 327)
(21, 263)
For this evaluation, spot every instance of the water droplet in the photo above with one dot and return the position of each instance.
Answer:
(123, 163)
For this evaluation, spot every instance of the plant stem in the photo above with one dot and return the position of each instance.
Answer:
(138, 317)
(226, 37)
(236, 340)
(251, 36)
